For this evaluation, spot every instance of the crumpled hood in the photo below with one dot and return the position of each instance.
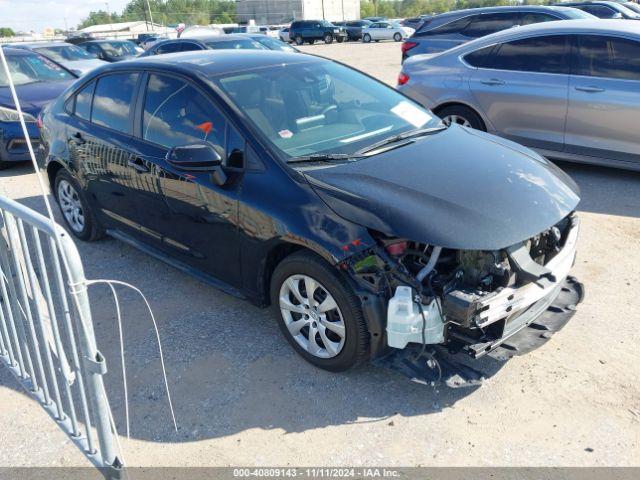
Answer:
(33, 96)
(459, 189)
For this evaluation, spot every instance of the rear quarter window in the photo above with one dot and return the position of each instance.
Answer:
(478, 58)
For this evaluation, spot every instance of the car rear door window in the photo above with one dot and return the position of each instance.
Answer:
(609, 57)
(190, 46)
(529, 18)
(83, 102)
(170, 47)
(176, 113)
(113, 101)
(455, 26)
(489, 23)
(546, 54)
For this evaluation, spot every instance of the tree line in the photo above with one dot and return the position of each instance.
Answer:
(204, 12)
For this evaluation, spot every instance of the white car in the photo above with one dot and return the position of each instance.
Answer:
(284, 35)
(76, 59)
(385, 31)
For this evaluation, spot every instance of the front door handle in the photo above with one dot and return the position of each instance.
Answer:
(137, 164)
(492, 82)
(590, 89)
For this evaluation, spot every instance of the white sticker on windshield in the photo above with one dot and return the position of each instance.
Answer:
(411, 114)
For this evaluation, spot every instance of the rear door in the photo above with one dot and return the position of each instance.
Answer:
(522, 90)
(604, 98)
(183, 213)
(99, 138)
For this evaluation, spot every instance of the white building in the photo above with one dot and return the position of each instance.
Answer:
(273, 12)
(126, 29)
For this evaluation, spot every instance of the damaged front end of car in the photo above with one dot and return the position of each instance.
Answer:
(499, 303)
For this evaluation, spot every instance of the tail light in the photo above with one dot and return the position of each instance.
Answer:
(396, 249)
(39, 120)
(402, 78)
(406, 46)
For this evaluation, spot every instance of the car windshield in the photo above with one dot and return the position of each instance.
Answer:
(33, 68)
(321, 108)
(119, 49)
(64, 53)
(275, 44)
(244, 44)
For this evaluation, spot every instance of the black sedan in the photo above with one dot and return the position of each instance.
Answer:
(294, 181)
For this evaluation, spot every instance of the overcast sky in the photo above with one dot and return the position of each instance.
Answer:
(39, 14)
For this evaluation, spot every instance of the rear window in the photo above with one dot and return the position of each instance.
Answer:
(489, 23)
(113, 99)
(244, 44)
(479, 57)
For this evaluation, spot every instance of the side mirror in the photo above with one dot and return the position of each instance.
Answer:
(617, 15)
(199, 157)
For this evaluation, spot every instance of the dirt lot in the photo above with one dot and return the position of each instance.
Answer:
(243, 397)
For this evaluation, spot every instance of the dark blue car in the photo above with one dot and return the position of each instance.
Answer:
(38, 81)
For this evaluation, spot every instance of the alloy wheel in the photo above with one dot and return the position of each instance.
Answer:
(312, 316)
(71, 206)
(449, 119)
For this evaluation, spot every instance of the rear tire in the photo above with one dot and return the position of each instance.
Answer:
(461, 115)
(298, 39)
(340, 39)
(328, 38)
(342, 312)
(70, 195)
(366, 38)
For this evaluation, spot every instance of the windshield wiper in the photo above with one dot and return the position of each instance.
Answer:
(401, 136)
(323, 157)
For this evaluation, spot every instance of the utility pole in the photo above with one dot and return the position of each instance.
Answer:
(150, 16)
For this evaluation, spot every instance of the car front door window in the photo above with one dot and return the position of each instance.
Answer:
(609, 57)
(176, 113)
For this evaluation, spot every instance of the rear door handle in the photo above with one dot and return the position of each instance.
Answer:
(492, 82)
(137, 164)
(590, 89)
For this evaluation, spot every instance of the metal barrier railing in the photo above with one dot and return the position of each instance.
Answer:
(46, 331)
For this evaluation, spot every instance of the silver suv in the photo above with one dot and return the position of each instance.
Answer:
(567, 89)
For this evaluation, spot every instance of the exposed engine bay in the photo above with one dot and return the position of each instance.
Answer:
(470, 300)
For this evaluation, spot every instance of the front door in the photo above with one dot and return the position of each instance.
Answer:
(183, 212)
(522, 90)
(604, 105)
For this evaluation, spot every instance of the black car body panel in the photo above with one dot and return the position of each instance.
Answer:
(465, 210)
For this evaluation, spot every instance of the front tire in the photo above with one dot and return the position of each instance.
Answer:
(340, 39)
(326, 327)
(75, 209)
(366, 38)
(397, 37)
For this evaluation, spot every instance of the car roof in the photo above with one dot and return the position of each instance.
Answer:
(210, 63)
(514, 8)
(31, 45)
(10, 50)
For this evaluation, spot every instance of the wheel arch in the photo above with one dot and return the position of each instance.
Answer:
(53, 167)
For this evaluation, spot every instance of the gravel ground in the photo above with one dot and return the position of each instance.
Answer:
(242, 397)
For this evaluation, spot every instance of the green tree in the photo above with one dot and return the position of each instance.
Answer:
(7, 32)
